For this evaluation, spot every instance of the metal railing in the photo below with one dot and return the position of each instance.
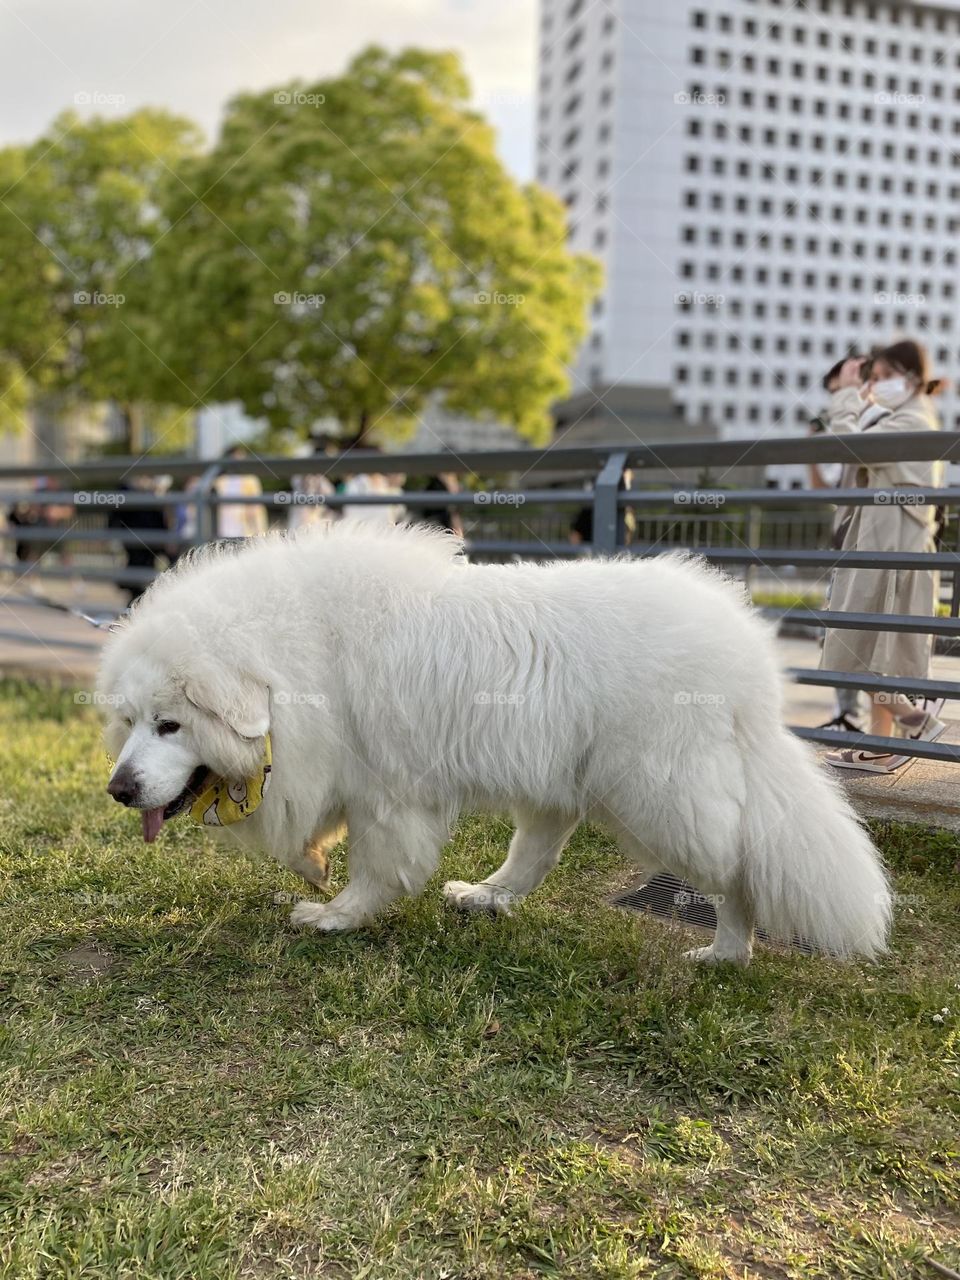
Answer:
(569, 479)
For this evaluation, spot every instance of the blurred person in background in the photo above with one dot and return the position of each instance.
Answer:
(440, 516)
(185, 524)
(369, 484)
(309, 492)
(240, 519)
(24, 515)
(852, 705)
(580, 533)
(895, 398)
(138, 554)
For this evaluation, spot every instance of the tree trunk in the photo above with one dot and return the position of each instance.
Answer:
(134, 428)
(360, 439)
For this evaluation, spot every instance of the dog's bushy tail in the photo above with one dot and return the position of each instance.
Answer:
(810, 868)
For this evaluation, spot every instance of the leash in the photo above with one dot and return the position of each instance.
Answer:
(100, 623)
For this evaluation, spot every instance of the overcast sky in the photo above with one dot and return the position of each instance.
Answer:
(191, 55)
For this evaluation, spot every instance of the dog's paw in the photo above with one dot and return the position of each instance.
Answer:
(487, 898)
(323, 916)
(710, 955)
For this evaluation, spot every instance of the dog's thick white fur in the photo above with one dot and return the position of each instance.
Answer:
(401, 685)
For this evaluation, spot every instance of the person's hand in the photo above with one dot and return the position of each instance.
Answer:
(850, 373)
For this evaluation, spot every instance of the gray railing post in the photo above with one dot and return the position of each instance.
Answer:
(206, 529)
(754, 530)
(606, 522)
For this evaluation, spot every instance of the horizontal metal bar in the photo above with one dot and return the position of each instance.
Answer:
(875, 684)
(860, 448)
(947, 752)
(120, 575)
(96, 500)
(740, 555)
(61, 534)
(864, 447)
(706, 500)
(900, 622)
(700, 501)
(535, 548)
(822, 558)
(102, 501)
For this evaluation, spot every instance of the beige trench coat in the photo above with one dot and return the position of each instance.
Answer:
(884, 526)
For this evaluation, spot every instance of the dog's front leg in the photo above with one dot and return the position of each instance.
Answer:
(389, 855)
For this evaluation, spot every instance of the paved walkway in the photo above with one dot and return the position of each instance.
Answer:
(40, 642)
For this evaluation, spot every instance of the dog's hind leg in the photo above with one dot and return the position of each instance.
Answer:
(733, 940)
(389, 856)
(535, 850)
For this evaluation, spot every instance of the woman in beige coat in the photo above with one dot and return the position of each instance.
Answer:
(895, 521)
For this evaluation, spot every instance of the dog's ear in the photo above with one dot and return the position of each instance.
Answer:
(233, 697)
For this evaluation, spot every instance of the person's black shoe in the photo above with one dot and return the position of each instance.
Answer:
(842, 724)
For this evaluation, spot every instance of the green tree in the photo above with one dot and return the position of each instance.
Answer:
(78, 217)
(353, 246)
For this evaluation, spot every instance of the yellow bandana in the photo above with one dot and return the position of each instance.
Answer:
(223, 803)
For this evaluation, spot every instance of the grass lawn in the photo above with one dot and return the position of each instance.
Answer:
(191, 1089)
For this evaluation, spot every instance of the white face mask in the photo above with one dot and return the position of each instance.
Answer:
(892, 392)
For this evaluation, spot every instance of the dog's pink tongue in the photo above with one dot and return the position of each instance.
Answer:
(152, 822)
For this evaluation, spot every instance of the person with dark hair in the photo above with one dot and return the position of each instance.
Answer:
(143, 553)
(441, 516)
(895, 398)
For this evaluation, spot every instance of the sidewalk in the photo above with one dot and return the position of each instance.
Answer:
(924, 791)
(43, 643)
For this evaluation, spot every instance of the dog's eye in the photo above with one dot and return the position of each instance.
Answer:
(167, 726)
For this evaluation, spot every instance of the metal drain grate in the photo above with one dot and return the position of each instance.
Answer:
(666, 897)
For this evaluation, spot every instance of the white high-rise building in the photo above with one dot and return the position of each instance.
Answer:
(768, 186)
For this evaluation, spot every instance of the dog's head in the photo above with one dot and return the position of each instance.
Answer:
(173, 723)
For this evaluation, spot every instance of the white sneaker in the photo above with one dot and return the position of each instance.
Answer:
(921, 726)
(868, 761)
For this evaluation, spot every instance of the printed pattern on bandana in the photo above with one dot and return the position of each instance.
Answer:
(223, 803)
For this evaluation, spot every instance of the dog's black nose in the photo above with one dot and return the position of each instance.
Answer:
(123, 788)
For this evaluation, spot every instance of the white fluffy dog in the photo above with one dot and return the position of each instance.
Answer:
(400, 685)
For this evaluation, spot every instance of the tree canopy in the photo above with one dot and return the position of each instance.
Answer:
(347, 248)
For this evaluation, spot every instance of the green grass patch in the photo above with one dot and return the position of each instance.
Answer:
(192, 1090)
